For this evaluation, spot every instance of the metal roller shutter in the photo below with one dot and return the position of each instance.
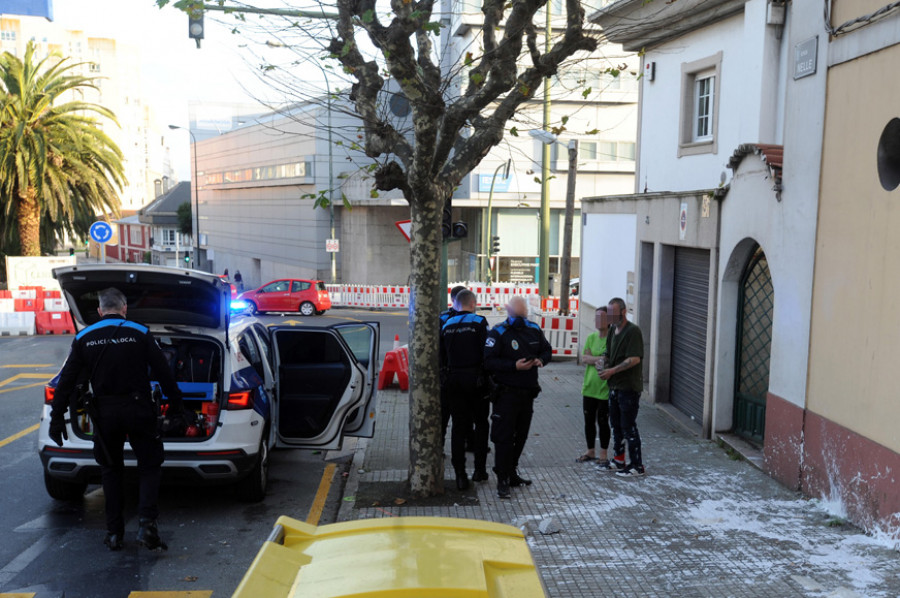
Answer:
(690, 315)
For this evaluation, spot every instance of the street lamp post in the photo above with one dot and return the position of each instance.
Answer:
(196, 185)
(544, 236)
(487, 237)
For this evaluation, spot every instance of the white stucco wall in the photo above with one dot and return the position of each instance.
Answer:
(786, 231)
(608, 255)
(748, 105)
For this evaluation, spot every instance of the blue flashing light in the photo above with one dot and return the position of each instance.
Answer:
(239, 305)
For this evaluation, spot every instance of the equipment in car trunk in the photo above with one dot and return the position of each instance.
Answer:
(195, 363)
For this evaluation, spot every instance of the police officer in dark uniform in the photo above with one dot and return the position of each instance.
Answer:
(462, 341)
(445, 404)
(513, 352)
(114, 355)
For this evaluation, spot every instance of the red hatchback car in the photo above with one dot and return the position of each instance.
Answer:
(306, 296)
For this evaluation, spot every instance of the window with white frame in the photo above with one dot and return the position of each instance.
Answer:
(701, 81)
(136, 237)
(704, 102)
(168, 236)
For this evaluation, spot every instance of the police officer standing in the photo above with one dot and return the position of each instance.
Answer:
(114, 355)
(445, 404)
(462, 341)
(513, 352)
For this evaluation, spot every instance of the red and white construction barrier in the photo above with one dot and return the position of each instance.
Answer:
(27, 310)
(562, 333)
(553, 303)
(393, 296)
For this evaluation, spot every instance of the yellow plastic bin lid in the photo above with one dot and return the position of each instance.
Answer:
(425, 557)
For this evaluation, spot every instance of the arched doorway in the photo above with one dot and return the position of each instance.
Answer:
(756, 301)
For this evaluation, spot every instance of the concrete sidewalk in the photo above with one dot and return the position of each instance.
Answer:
(699, 524)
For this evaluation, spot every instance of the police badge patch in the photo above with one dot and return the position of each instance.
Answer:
(515, 345)
(489, 342)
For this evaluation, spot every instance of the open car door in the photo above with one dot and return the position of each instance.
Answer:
(363, 340)
(319, 382)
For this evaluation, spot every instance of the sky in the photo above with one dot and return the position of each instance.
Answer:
(173, 71)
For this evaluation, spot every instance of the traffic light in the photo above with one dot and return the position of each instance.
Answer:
(495, 244)
(457, 230)
(195, 25)
(187, 259)
(447, 220)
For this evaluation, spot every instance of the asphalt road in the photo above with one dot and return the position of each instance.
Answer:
(55, 549)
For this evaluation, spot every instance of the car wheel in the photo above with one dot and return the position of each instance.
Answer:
(253, 487)
(252, 307)
(307, 308)
(63, 489)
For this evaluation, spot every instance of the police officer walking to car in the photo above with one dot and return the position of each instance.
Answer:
(513, 352)
(462, 340)
(115, 355)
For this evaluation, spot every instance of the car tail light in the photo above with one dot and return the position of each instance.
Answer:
(49, 393)
(239, 400)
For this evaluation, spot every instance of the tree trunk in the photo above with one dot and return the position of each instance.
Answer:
(29, 222)
(565, 269)
(426, 453)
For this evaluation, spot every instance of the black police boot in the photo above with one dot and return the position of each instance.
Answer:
(516, 480)
(462, 480)
(113, 541)
(148, 536)
(503, 488)
(480, 475)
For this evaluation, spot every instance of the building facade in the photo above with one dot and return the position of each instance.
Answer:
(168, 245)
(759, 221)
(133, 245)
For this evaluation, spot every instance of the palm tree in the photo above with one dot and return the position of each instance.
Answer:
(56, 163)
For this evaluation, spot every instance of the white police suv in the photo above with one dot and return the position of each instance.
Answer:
(248, 387)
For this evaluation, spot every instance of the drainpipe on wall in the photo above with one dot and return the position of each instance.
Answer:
(707, 429)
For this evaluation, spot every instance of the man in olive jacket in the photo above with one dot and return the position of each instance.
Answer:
(620, 368)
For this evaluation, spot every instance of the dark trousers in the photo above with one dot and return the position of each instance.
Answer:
(134, 417)
(445, 412)
(623, 411)
(510, 422)
(596, 417)
(469, 409)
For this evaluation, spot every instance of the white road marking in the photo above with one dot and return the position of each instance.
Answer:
(25, 558)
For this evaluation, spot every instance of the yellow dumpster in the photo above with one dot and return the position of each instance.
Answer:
(422, 557)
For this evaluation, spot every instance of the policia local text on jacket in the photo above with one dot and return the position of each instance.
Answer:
(462, 346)
(507, 343)
(116, 354)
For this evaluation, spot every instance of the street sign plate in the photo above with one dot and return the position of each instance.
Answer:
(805, 57)
(405, 227)
(332, 245)
(101, 232)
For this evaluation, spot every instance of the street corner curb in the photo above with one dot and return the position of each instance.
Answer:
(348, 497)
